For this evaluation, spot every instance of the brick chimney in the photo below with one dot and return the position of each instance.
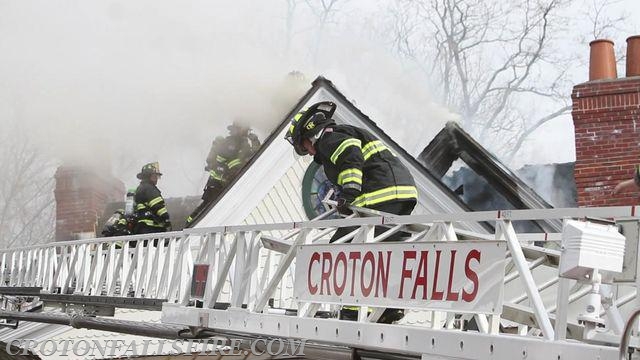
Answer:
(606, 118)
(82, 194)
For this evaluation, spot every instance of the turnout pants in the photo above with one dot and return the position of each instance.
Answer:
(393, 207)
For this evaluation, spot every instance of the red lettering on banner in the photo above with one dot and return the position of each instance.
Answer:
(366, 289)
(435, 294)
(382, 275)
(326, 273)
(341, 258)
(471, 275)
(452, 296)
(421, 278)
(406, 273)
(315, 257)
(353, 256)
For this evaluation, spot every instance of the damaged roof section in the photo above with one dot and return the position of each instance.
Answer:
(485, 183)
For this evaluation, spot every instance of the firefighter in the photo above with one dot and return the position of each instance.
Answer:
(238, 147)
(150, 210)
(116, 225)
(360, 165)
(629, 185)
(225, 159)
(216, 170)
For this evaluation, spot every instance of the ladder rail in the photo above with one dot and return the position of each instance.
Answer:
(248, 274)
(626, 334)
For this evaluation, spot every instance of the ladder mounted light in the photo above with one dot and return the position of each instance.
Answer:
(587, 246)
(590, 254)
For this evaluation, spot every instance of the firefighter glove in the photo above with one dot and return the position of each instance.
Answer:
(343, 206)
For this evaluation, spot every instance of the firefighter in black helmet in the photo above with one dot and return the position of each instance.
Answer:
(151, 212)
(362, 167)
(365, 170)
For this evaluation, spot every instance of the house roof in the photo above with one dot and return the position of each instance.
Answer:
(555, 182)
(275, 157)
(262, 173)
(505, 187)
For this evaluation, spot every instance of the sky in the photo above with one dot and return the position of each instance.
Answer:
(117, 83)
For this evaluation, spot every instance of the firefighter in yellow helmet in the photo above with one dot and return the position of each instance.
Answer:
(151, 212)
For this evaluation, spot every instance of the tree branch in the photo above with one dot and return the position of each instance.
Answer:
(525, 134)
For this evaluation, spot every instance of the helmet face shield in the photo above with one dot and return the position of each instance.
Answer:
(297, 146)
(293, 135)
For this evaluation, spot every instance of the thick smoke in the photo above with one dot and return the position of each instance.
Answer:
(116, 84)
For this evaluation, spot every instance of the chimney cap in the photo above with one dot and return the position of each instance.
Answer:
(601, 40)
(602, 60)
(633, 55)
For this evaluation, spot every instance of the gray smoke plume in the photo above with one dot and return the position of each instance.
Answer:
(116, 84)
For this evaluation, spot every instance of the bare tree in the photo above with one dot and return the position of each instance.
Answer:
(27, 206)
(324, 12)
(289, 22)
(603, 24)
(493, 62)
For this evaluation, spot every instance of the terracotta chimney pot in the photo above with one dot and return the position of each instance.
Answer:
(602, 61)
(633, 56)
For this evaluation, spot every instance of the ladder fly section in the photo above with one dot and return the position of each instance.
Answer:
(110, 269)
(465, 295)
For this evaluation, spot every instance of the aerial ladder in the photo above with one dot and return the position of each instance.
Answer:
(466, 295)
